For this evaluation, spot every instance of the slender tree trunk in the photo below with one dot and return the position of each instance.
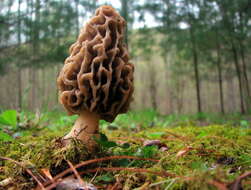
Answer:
(228, 22)
(30, 98)
(124, 14)
(231, 94)
(242, 54)
(153, 89)
(19, 82)
(245, 75)
(77, 17)
(196, 70)
(180, 90)
(238, 73)
(58, 68)
(219, 69)
(7, 34)
(35, 45)
(44, 88)
(220, 85)
(168, 92)
(33, 90)
(19, 73)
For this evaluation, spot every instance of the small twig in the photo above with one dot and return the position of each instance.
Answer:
(177, 136)
(170, 184)
(94, 177)
(41, 177)
(114, 187)
(75, 172)
(127, 139)
(160, 182)
(237, 182)
(53, 185)
(26, 169)
(99, 160)
(141, 170)
(80, 131)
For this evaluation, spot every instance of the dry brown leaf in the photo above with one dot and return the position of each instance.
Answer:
(184, 151)
(46, 173)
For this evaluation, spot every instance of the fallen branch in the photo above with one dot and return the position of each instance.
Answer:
(141, 170)
(182, 138)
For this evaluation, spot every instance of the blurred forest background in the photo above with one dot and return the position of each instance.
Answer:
(190, 55)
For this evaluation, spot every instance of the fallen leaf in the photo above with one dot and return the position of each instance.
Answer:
(183, 151)
(46, 173)
(151, 142)
(163, 148)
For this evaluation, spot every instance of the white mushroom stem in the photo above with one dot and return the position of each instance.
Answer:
(85, 128)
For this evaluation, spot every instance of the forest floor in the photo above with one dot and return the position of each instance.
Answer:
(138, 151)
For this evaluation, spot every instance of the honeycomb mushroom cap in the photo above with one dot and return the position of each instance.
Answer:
(97, 76)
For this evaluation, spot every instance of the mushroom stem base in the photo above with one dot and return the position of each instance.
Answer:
(85, 129)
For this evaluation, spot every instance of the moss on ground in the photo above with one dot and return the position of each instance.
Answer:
(198, 156)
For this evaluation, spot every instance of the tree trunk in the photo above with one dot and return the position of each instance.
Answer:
(231, 94)
(220, 84)
(77, 17)
(32, 81)
(168, 92)
(219, 69)
(196, 70)
(242, 54)
(124, 14)
(153, 89)
(19, 73)
(238, 73)
(245, 75)
(35, 45)
(44, 88)
(19, 82)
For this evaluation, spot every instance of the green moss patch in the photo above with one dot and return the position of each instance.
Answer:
(198, 157)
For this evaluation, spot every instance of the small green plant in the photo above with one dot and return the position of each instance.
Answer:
(244, 123)
(147, 151)
(5, 137)
(104, 142)
(8, 120)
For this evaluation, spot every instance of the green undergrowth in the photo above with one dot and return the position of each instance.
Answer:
(199, 150)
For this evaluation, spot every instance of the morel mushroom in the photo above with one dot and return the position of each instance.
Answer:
(96, 81)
